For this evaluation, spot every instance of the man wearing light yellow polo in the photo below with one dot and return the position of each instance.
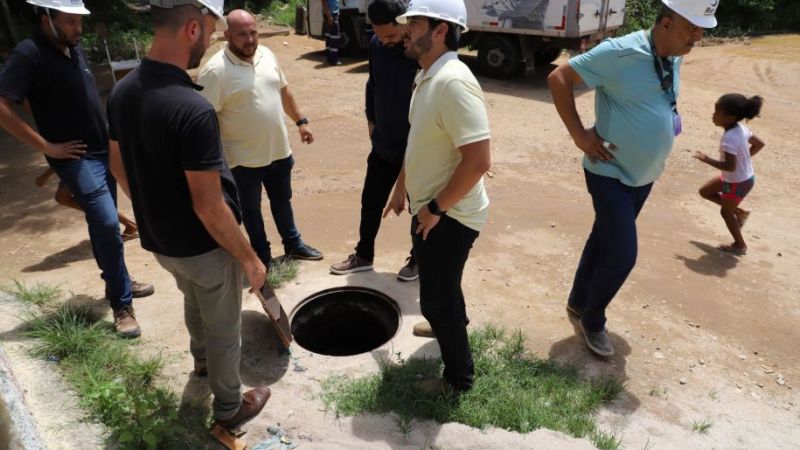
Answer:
(250, 93)
(446, 157)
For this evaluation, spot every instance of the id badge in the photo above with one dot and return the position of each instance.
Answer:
(677, 125)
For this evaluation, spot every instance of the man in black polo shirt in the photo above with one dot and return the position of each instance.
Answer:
(391, 76)
(166, 153)
(50, 71)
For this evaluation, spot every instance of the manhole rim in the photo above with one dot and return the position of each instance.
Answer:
(383, 296)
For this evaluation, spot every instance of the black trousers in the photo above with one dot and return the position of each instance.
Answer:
(378, 184)
(441, 259)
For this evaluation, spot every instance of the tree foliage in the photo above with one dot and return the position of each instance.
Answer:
(736, 17)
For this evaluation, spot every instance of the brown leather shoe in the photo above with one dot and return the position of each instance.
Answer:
(139, 290)
(125, 323)
(253, 402)
(423, 329)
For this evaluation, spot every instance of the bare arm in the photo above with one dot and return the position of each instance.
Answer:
(562, 83)
(475, 161)
(15, 126)
(756, 144)
(397, 202)
(217, 217)
(293, 111)
(728, 165)
(117, 169)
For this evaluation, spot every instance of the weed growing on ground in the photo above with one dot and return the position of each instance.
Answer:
(606, 441)
(39, 295)
(658, 391)
(513, 390)
(281, 271)
(702, 426)
(114, 385)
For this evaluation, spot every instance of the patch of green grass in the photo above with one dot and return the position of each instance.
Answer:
(606, 441)
(713, 394)
(281, 271)
(281, 12)
(39, 294)
(114, 385)
(701, 426)
(513, 390)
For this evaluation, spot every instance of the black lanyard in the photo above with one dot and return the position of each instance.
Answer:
(667, 82)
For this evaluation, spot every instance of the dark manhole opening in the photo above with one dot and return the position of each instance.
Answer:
(345, 321)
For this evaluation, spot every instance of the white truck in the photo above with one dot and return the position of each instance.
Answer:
(508, 34)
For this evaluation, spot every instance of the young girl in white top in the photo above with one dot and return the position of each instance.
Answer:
(737, 147)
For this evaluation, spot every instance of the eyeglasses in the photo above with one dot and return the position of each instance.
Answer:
(666, 82)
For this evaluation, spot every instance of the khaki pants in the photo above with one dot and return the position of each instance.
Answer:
(212, 300)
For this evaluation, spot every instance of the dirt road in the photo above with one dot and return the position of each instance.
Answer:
(701, 335)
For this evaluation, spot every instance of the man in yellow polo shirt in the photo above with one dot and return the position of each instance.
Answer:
(446, 157)
(250, 94)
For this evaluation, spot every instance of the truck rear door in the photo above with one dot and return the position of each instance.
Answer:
(315, 18)
(591, 15)
(616, 14)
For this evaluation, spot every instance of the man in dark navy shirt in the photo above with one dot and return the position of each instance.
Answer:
(50, 71)
(167, 154)
(391, 78)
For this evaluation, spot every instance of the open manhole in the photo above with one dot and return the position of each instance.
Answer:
(345, 321)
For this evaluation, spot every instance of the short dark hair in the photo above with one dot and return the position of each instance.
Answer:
(453, 33)
(174, 18)
(384, 12)
(741, 107)
(663, 13)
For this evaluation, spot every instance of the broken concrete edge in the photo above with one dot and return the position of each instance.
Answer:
(23, 427)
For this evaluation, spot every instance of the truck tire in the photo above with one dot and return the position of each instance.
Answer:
(499, 57)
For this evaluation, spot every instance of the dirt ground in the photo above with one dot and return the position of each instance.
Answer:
(700, 335)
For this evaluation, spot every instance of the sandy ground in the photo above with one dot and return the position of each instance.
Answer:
(700, 335)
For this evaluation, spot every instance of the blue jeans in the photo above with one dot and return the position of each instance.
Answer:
(610, 253)
(277, 180)
(94, 188)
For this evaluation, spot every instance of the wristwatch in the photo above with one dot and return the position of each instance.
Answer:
(303, 121)
(433, 207)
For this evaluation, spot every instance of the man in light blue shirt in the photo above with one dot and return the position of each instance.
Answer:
(636, 80)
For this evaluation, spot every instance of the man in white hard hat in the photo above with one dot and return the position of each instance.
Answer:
(166, 152)
(249, 91)
(51, 73)
(637, 81)
(446, 157)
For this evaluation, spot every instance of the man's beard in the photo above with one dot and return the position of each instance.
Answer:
(198, 50)
(422, 45)
(240, 52)
(61, 38)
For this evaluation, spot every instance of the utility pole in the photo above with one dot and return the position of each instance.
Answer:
(12, 29)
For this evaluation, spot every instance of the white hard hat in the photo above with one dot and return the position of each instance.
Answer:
(212, 6)
(699, 12)
(66, 6)
(452, 11)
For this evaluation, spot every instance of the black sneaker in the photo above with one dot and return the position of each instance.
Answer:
(305, 252)
(598, 342)
(410, 271)
(352, 264)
